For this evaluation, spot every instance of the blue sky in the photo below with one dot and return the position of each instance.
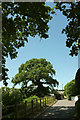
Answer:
(53, 49)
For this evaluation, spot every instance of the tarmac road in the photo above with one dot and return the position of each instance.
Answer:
(63, 109)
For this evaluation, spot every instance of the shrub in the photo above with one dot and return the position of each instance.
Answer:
(31, 98)
(58, 96)
(68, 97)
(70, 89)
(11, 96)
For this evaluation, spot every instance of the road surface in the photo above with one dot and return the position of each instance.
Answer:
(63, 109)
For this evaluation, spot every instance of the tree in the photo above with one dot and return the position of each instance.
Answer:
(23, 19)
(72, 11)
(70, 89)
(39, 72)
(77, 81)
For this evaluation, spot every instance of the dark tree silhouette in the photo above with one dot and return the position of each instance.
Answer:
(72, 12)
(77, 81)
(19, 21)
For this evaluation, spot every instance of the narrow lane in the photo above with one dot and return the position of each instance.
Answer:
(62, 109)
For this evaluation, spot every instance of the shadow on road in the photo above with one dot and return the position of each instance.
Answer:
(58, 113)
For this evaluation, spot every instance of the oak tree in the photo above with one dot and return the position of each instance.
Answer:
(37, 73)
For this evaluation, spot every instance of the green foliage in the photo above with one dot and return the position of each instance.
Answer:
(41, 92)
(70, 89)
(30, 98)
(57, 95)
(36, 72)
(77, 81)
(77, 109)
(23, 19)
(72, 11)
(11, 96)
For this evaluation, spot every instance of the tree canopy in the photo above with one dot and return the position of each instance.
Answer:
(19, 21)
(70, 89)
(23, 20)
(26, 19)
(39, 72)
(72, 12)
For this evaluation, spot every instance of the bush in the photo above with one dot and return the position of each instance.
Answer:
(31, 98)
(68, 97)
(11, 96)
(70, 89)
(77, 109)
(58, 96)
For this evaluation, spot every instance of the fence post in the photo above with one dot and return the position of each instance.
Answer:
(32, 105)
(53, 97)
(36, 104)
(47, 99)
(16, 115)
(45, 102)
(25, 108)
(40, 103)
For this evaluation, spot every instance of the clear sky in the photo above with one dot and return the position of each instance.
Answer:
(53, 49)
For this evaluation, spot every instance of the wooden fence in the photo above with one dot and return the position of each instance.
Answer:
(24, 110)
